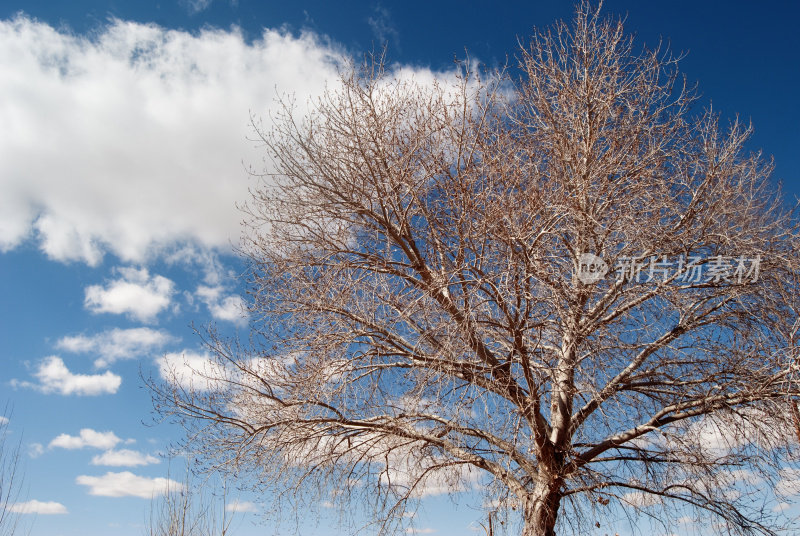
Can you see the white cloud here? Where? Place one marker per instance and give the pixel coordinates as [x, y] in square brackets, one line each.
[167, 170]
[243, 506]
[382, 26]
[196, 6]
[780, 507]
[407, 468]
[192, 371]
[55, 377]
[166, 173]
[35, 450]
[3, 420]
[441, 482]
[230, 308]
[641, 499]
[412, 530]
[127, 484]
[86, 438]
[135, 293]
[124, 458]
[714, 436]
[208, 261]
[789, 484]
[39, 507]
[113, 345]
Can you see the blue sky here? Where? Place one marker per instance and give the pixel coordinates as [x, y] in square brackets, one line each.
[119, 179]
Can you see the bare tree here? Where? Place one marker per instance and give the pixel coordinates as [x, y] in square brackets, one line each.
[563, 286]
[10, 482]
[189, 509]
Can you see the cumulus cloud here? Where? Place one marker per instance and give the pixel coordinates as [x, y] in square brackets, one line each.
[55, 377]
[135, 293]
[86, 438]
[124, 458]
[127, 484]
[192, 371]
[715, 437]
[115, 344]
[241, 506]
[230, 308]
[407, 470]
[39, 507]
[131, 140]
[3, 420]
[402, 473]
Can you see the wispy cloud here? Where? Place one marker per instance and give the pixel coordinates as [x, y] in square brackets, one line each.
[241, 506]
[789, 484]
[35, 450]
[115, 344]
[382, 26]
[196, 6]
[640, 499]
[124, 458]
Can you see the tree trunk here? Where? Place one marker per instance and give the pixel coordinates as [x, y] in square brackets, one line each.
[541, 510]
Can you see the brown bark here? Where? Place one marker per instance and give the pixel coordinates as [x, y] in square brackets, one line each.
[541, 509]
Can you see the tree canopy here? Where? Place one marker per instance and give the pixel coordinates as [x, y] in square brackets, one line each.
[561, 284]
